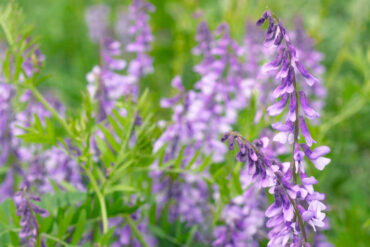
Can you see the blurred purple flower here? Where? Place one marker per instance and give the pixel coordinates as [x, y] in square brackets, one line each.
[27, 211]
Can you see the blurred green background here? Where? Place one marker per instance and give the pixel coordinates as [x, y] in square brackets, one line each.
[342, 32]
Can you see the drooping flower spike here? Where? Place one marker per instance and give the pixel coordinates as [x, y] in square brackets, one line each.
[285, 218]
[285, 66]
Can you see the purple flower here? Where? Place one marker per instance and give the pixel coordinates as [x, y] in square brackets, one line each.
[97, 19]
[107, 83]
[242, 217]
[316, 155]
[200, 117]
[27, 210]
[308, 111]
[306, 134]
[278, 108]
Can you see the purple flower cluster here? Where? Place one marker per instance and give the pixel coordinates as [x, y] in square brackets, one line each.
[294, 203]
[27, 211]
[243, 217]
[266, 171]
[200, 117]
[115, 78]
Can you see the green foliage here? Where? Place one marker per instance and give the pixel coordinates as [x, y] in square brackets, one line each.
[341, 29]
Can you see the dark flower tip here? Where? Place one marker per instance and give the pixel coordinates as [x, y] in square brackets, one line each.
[225, 136]
[231, 142]
[262, 19]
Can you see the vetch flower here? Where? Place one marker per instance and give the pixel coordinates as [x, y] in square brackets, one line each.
[27, 210]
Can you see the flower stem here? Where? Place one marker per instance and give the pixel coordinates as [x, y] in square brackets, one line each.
[100, 196]
[296, 131]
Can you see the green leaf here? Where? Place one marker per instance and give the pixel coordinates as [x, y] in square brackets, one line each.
[119, 188]
[65, 221]
[179, 157]
[192, 161]
[80, 227]
[157, 231]
[107, 155]
[205, 163]
[116, 127]
[110, 138]
[190, 238]
[107, 236]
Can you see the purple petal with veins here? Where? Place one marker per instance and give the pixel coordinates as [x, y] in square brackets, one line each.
[292, 108]
[310, 79]
[308, 111]
[306, 134]
[278, 107]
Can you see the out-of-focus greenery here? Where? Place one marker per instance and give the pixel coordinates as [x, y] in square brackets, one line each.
[341, 29]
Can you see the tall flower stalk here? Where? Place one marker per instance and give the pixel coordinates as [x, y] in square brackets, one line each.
[296, 202]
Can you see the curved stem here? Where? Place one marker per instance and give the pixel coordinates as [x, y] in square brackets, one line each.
[100, 196]
[135, 230]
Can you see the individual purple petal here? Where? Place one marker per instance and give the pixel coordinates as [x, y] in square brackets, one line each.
[279, 38]
[288, 212]
[321, 163]
[241, 145]
[270, 34]
[287, 127]
[285, 66]
[275, 221]
[242, 157]
[308, 111]
[316, 196]
[262, 19]
[292, 108]
[177, 83]
[282, 137]
[273, 210]
[231, 142]
[310, 80]
[281, 89]
[273, 65]
[305, 132]
[316, 153]
[309, 181]
[318, 161]
[319, 151]
[225, 136]
[170, 102]
[252, 154]
[298, 154]
[278, 107]
[292, 50]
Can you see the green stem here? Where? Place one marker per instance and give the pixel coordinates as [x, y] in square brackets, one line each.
[100, 196]
[135, 230]
[296, 131]
[43, 101]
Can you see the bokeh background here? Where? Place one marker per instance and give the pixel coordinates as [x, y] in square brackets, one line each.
[341, 29]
